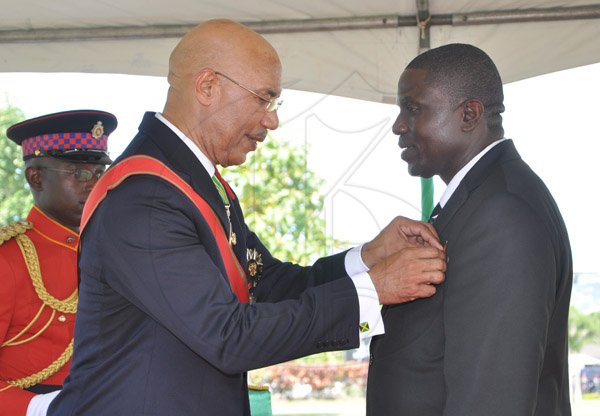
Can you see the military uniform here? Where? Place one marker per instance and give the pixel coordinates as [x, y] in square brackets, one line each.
[38, 266]
[36, 323]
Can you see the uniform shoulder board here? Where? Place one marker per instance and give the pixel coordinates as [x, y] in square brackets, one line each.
[12, 230]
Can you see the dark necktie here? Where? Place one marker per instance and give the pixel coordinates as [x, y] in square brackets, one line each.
[435, 213]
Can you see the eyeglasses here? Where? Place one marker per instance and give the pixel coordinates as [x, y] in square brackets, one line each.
[80, 174]
[272, 104]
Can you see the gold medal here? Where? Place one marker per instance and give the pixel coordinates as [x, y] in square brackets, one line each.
[255, 267]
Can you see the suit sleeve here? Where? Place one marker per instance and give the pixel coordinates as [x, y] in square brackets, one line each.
[284, 280]
[163, 260]
[13, 400]
[498, 303]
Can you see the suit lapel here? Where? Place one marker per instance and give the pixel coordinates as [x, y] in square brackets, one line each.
[178, 156]
[476, 176]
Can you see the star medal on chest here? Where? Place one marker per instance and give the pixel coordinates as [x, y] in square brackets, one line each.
[255, 267]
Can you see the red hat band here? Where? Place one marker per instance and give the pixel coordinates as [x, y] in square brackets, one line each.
[37, 145]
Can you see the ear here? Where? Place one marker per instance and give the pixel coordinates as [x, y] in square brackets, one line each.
[472, 114]
[34, 178]
[205, 86]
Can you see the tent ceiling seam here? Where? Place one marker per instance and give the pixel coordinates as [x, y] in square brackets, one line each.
[303, 25]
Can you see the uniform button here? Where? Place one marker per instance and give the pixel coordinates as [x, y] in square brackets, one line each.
[62, 318]
[70, 239]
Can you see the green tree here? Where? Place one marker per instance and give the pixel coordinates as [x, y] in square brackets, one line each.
[15, 197]
[584, 329]
[282, 201]
[283, 205]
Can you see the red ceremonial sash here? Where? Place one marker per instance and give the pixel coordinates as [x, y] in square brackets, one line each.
[147, 165]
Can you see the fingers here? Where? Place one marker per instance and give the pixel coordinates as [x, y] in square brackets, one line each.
[418, 231]
[422, 253]
[436, 277]
[409, 274]
[419, 291]
[425, 291]
[399, 234]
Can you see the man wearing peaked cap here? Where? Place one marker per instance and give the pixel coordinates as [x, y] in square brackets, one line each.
[65, 153]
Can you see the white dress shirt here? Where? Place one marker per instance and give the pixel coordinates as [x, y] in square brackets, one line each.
[460, 175]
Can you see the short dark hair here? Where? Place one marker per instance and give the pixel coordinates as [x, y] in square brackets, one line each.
[465, 71]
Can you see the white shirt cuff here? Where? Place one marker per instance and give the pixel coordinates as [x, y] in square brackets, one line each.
[38, 405]
[354, 263]
[370, 321]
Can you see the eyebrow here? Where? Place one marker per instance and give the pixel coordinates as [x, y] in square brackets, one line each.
[271, 92]
[405, 100]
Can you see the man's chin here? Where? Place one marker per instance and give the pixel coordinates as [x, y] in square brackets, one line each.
[414, 170]
[239, 160]
[418, 171]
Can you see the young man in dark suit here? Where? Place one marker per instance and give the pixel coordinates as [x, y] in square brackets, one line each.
[165, 323]
[493, 340]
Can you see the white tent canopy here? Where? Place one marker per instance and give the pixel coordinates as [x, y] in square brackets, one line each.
[351, 48]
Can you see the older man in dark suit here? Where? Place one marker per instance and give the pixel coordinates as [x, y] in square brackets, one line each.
[493, 339]
[165, 323]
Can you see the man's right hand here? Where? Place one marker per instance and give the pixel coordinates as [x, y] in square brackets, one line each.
[408, 274]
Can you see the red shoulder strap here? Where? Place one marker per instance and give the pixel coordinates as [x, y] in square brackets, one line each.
[147, 165]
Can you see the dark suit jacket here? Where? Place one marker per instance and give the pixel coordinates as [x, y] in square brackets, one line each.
[493, 340]
[158, 329]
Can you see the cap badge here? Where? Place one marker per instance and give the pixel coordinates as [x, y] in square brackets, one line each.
[98, 130]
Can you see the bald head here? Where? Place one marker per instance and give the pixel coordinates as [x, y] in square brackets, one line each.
[222, 45]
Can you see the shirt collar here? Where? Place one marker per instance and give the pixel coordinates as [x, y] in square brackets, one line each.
[457, 179]
[210, 168]
[52, 230]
